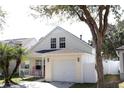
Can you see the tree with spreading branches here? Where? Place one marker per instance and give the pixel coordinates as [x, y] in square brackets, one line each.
[95, 16]
[2, 18]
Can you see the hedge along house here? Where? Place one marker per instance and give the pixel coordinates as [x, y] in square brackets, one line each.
[61, 56]
[121, 56]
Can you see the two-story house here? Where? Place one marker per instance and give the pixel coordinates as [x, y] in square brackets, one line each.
[61, 56]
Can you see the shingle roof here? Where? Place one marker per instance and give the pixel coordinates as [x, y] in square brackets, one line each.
[19, 40]
[46, 51]
[22, 41]
[54, 51]
[58, 51]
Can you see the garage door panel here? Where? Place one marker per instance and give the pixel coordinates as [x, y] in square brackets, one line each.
[64, 70]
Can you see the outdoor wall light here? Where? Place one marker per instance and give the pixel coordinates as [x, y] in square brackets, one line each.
[78, 59]
[47, 59]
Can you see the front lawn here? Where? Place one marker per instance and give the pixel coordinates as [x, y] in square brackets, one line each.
[18, 79]
[111, 81]
[121, 85]
[84, 85]
[112, 78]
[31, 78]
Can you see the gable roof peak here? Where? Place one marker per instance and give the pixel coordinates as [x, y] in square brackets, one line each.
[59, 28]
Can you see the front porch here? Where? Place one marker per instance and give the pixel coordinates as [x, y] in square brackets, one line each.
[37, 65]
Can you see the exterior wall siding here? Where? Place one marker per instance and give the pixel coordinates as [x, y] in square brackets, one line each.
[50, 66]
[78, 69]
[72, 42]
[48, 69]
[85, 68]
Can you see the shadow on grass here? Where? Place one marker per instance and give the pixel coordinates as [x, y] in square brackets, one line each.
[111, 81]
[94, 85]
[84, 85]
[31, 79]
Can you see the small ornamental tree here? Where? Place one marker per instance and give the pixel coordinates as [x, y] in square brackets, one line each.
[9, 53]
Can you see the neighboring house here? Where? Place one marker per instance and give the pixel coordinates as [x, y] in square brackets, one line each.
[61, 56]
[26, 43]
[121, 55]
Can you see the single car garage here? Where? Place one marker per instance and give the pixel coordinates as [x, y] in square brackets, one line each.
[64, 69]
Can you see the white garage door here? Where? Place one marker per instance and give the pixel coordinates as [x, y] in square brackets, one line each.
[64, 70]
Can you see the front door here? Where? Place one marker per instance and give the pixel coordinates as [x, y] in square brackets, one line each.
[40, 68]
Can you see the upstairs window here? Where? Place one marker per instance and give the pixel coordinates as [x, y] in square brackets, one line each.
[62, 42]
[53, 42]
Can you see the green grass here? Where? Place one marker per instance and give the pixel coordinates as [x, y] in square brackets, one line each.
[15, 78]
[121, 85]
[31, 79]
[84, 85]
[111, 78]
[18, 79]
[112, 81]
[1, 81]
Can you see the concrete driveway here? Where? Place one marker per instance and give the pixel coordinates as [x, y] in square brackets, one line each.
[36, 84]
[61, 84]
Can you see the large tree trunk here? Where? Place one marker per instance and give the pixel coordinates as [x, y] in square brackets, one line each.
[99, 65]
[6, 75]
[7, 84]
[98, 29]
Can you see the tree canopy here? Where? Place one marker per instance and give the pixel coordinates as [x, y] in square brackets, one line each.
[113, 39]
[2, 18]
